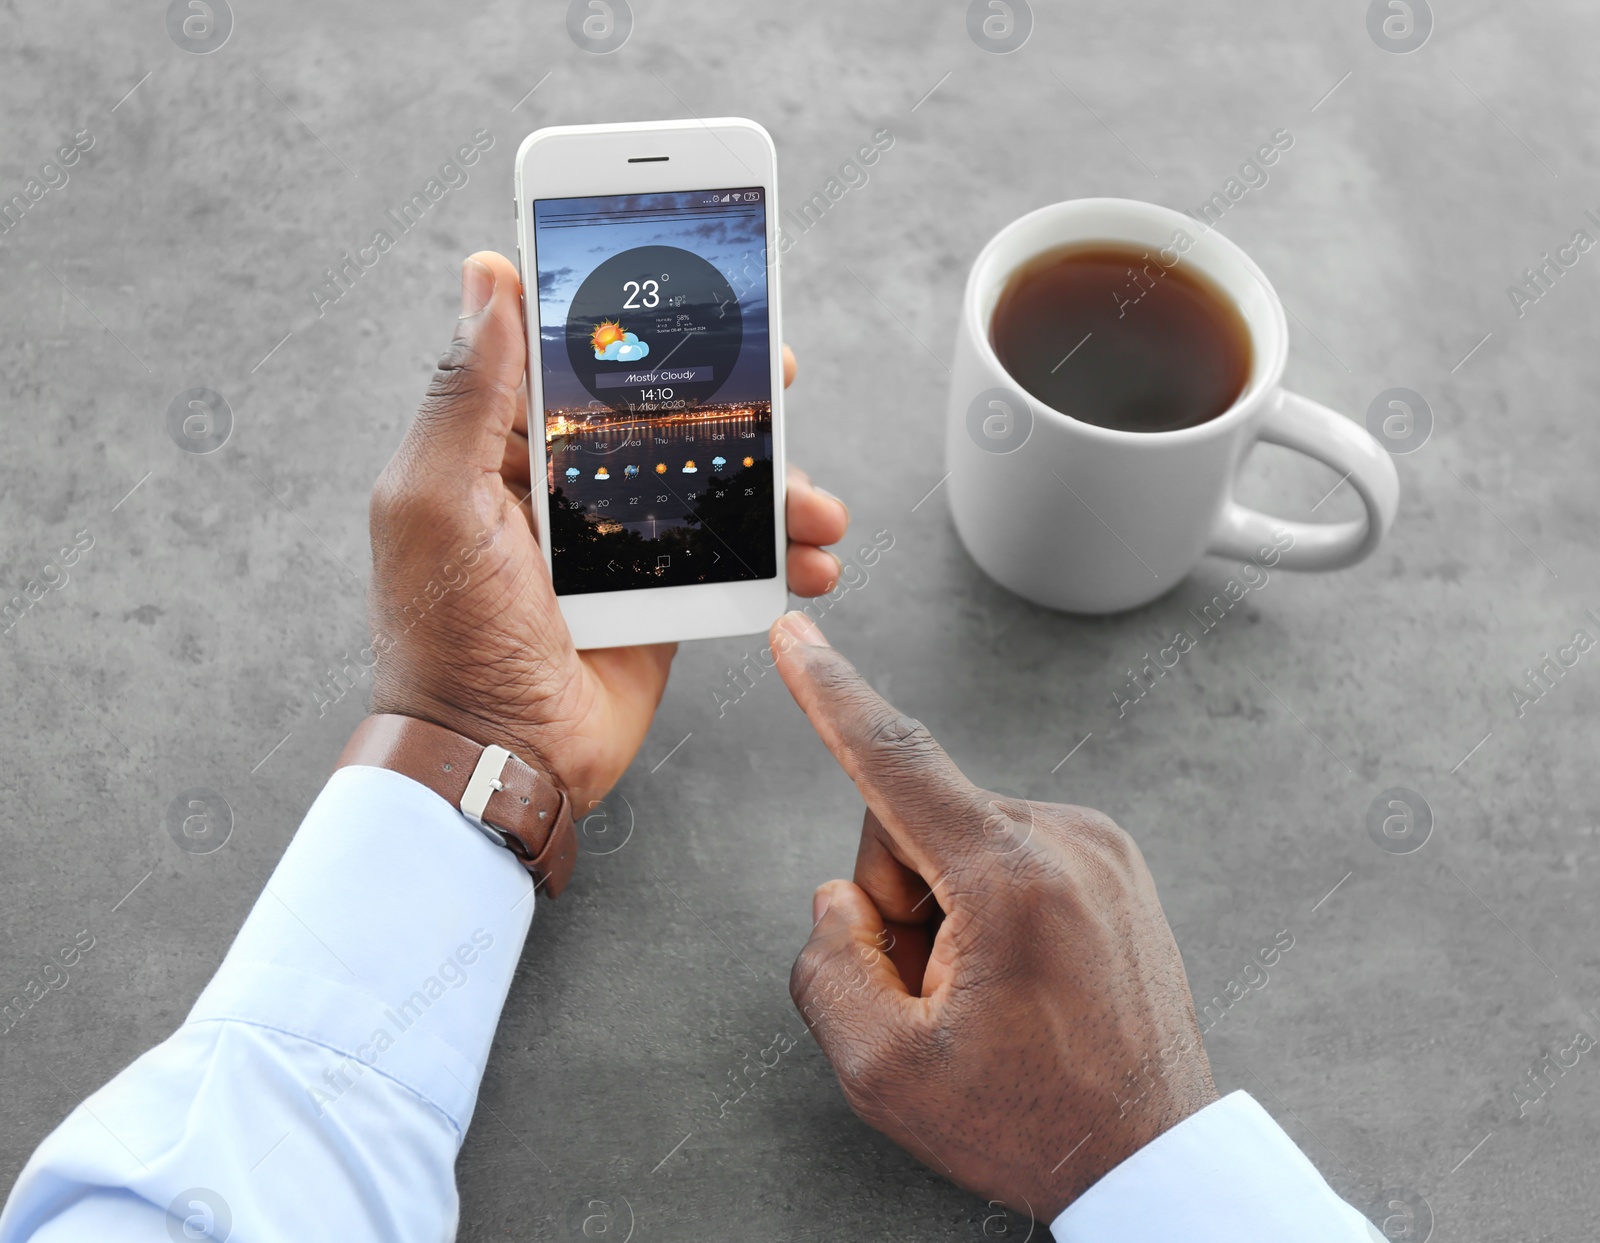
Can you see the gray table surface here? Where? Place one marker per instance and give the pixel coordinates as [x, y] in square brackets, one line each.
[183, 653]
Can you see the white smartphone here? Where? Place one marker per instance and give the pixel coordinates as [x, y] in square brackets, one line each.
[655, 376]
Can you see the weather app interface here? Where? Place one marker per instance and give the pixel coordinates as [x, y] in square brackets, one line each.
[657, 388]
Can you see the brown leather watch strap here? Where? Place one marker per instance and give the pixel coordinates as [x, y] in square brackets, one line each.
[518, 806]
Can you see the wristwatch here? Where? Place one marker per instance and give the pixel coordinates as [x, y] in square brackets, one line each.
[515, 805]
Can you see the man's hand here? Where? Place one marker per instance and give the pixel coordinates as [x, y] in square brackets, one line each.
[464, 619]
[998, 990]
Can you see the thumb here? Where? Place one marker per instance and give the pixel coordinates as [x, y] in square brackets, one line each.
[844, 984]
[461, 428]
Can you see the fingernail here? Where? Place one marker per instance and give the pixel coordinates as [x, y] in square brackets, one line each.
[477, 287]
[803, 628]
[838, 569]
[833, 498]
[819, 905]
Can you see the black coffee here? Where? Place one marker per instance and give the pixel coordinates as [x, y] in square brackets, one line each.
[1122, 336]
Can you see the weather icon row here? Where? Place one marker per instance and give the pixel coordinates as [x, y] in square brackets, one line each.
[632, 472]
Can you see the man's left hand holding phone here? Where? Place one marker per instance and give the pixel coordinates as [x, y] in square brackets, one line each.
[361, 996]
[493, 660]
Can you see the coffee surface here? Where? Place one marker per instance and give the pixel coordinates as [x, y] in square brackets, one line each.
[1110, 334]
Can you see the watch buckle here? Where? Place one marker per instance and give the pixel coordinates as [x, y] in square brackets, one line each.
[482, 786]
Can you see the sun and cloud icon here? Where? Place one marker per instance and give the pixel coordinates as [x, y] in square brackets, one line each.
[612, 344]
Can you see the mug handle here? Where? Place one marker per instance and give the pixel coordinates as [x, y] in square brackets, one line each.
[1298, 423]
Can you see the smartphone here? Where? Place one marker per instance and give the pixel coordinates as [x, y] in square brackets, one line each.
[655, 376]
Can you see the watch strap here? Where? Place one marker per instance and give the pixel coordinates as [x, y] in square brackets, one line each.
[515, 804]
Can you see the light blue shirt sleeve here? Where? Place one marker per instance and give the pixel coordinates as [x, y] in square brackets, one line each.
[1224, 1175]
[321, 1086]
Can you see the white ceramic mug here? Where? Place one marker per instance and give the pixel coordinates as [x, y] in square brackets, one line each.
[1092, 519]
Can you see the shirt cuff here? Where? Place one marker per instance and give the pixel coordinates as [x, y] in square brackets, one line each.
[388, 933]
[1223, 1174]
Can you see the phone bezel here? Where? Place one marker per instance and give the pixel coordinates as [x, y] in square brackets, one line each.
[582, 160]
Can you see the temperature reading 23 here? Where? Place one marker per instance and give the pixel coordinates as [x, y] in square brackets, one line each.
[650, 289]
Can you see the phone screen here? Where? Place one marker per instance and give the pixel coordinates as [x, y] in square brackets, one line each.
[657, 373]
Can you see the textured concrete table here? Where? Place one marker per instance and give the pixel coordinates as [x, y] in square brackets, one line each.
[1402, 1040]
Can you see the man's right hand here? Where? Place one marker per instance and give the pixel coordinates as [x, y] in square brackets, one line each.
[998, 990]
